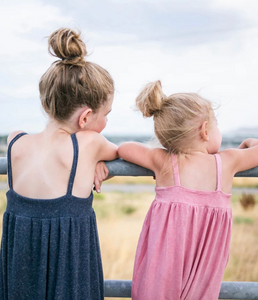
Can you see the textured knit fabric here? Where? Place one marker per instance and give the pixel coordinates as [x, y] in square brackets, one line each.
[184, 244]
[50, 248]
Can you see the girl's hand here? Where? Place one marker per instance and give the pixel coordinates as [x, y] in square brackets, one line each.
[248, 143]
[101, 173]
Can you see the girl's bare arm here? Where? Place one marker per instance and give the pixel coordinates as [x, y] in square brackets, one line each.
[106, 149]
[244, 158]
[139, 154]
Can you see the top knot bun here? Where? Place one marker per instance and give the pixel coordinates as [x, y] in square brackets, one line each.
[67, 45]
[151, 99]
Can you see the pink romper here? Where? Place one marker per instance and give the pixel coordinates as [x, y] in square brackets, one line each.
[184, 245]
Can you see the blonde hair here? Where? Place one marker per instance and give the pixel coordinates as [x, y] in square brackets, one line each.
[72, 82]
[177, 118]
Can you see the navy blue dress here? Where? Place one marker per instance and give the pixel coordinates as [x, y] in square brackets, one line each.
[50, 248]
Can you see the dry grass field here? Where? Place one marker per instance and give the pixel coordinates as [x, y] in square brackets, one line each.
[120, 217]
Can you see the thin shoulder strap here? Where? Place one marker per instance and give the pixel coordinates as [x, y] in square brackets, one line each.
[175, 169]
[74, 166]
[219, 171]
[9, 163]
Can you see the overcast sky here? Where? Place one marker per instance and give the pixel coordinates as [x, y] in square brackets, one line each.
[205, 46]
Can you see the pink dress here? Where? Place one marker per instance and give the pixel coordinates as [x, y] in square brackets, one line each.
[183, 248]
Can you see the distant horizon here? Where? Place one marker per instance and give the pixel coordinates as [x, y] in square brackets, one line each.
[238, 131]
[128, 134]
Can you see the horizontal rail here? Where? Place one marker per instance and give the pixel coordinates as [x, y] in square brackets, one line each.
[229, 290]
[119, 167]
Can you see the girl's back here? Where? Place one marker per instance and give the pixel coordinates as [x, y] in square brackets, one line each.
[203, 179]
[41, 164]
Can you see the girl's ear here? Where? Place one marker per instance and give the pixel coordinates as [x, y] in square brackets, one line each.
[204, 131]
[84, 117]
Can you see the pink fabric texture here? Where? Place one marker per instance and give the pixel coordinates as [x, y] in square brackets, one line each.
[184, 245]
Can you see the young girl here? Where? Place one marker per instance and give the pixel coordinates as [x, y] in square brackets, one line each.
[184, 244]
[50, 247]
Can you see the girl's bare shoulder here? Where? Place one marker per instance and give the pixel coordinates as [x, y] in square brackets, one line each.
[160, 157]
[232, 160]
[89, 137]
[97, 145]
[12, 135]
[228, 156]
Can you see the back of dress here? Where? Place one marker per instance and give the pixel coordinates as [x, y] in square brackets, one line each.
[183, 248]
[50, 247]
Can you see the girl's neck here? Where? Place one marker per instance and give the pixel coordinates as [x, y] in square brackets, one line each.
[197, 148]
[54, 127]
[197, 151]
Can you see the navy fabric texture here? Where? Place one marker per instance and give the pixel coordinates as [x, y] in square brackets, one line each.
[50, 248]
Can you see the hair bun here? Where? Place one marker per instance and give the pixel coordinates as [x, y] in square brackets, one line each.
[151, 98]
[66, 44]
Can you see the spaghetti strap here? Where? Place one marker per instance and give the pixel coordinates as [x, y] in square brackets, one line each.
[74, 166]
[175, 169]
[219, 171]
[9, 164]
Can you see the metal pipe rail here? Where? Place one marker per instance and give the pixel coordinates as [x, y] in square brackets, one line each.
[122, 288]
[119, 167]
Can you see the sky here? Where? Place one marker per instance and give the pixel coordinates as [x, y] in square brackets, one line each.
[204, 46]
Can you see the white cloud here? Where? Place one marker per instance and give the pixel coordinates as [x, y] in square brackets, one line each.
[224, 72]
[24, 49]
[20, 19]
[249, 8]
[25, 91]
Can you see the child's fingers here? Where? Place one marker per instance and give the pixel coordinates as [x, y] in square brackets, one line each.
[106, 170]
[103, 174]
[97, 184]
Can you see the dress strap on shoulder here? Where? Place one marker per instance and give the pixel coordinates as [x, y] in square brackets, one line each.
[219, 171]
[74, 166]
[175, 169]
[9, 163]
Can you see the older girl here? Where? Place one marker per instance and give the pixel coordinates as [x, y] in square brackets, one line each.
[50, 247]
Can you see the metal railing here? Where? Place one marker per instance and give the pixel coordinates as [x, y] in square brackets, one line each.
[122, 288]
[119, 167]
